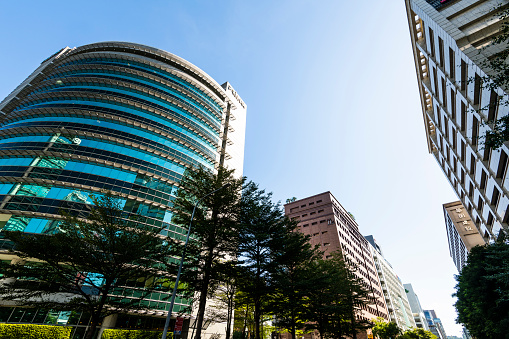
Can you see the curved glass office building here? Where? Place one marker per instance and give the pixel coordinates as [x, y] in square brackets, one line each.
[113, 116]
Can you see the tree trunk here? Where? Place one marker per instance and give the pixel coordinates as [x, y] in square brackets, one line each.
[203, 293]
[245, 323]
[257, 319]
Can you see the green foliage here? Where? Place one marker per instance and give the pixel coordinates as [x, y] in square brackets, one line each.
[84, 260]
[214, 242]
[483, 291]
[29, 331]
[385, 330]
[417, 333]
[290, 280]
[337, 295]
[133, 334]
[263, 225]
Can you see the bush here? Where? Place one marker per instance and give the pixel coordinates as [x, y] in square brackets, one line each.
[135, 334]
[29, 331]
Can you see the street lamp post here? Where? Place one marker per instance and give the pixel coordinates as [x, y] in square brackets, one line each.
[168, 317]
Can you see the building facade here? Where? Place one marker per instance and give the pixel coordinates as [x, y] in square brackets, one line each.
[118, 117]
[435, 324]
[450, 41]
[462, 235]
[415, 306]
[392, 288]
[333, 229]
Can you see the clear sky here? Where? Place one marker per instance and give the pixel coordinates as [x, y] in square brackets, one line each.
[332, 102]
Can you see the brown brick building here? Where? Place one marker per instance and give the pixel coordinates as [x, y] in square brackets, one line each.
[334, 229]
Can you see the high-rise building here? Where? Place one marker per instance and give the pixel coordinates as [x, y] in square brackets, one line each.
[435, 324]
[392, 288]
[415, 305]
[333, 229]
[112, 116]
[450, 40]
[462, 235]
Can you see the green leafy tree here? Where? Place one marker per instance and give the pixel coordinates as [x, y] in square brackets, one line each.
[483, 291]
[386, 330]
[214, 231]
[79, 267]
[338, 295]
[262, 225]
[290, 279]
[417, 333]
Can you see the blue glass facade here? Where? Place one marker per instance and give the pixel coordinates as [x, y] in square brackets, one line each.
[109, 116]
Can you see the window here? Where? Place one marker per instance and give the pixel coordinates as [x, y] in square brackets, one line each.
[464, 72]
[441, 51]
[320, 211]
[480, 204]
[431, 42]
[490, 219]
[475, 130]
[311, 203]
[446, 127]
[318, 201]
[502, 165]
[444, 92]
[463, 150]
[314, 223]
[472, 164]
[495, 197]
[322, 221]
[312, 213]
[477, 89]
[454, 139]
[305, 225]
[453, 104]
[471, 190]
[492, 109]
[462, 177]
[483, 180]
[324, 232]
[463, 116]
[435, 80]
[452, 64]
[304, 215]
[486, 154]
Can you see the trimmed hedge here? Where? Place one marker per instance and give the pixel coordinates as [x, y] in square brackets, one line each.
[29, 331]
[134, 334]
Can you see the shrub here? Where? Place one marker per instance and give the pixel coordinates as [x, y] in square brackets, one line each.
[134, 334]
[29, 331]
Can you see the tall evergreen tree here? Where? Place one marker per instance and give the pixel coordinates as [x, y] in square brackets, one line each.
[263, 224]
[338, 295]
[79, 267]
[214, 230]
[291, 285]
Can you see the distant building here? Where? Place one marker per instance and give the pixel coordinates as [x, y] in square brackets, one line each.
[435, 324]
[392, 287]
[462, 234]
[332, 228]
[415, 305]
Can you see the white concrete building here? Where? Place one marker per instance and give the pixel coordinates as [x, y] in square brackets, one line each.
[450, 40]
[392, 287]
[415, 305]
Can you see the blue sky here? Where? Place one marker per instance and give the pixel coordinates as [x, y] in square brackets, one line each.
[332, 104]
